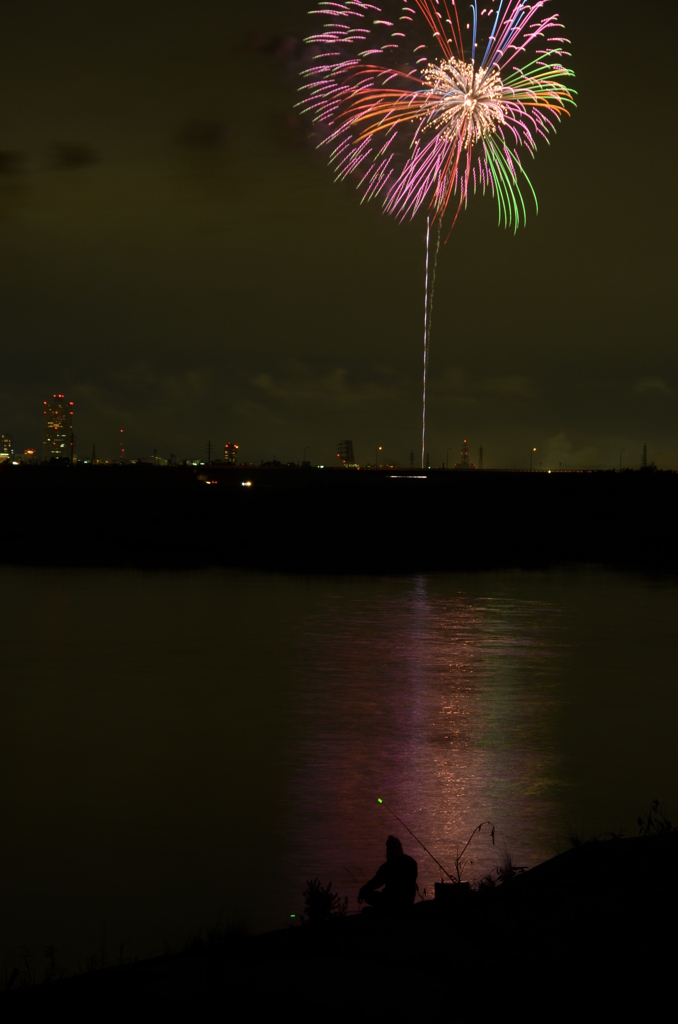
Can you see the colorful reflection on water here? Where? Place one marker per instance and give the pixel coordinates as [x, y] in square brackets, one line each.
[179, 748]
[440, 702]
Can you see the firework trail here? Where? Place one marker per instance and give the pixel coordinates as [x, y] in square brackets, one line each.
[426, 339]
[422, 102]
[428, 321]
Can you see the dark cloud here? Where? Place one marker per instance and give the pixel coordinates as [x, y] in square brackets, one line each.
[204, 135]
[11, 163]
[68, 155]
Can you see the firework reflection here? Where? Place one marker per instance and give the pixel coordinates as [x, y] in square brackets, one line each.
[439, 702]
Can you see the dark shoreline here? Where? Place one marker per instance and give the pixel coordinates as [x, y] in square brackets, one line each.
[592, 926]
[336, 521]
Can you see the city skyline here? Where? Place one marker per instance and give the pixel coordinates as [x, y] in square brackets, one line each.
[59, 442]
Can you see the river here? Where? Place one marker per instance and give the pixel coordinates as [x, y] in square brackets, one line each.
[180, 749]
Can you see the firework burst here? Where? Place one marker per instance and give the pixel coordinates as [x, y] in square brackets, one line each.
[422, 102]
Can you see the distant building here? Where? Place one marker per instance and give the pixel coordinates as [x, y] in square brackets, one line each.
[231, 453]
[57, 438]
[345, 453]
[465, 463]
[29, 455]
[6, 450]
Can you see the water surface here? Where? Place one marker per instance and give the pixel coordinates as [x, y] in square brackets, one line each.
[179, 748]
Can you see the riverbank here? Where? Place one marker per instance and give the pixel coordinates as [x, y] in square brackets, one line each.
[337, 521]
[592, 927]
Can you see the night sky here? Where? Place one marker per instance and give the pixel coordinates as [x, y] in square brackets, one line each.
[176, 258]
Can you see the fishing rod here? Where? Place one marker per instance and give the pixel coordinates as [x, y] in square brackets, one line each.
[351, 875]
[417, 839]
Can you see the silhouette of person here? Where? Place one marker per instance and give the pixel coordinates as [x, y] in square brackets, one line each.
[398, 876]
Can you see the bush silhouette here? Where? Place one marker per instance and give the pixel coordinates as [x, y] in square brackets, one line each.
[321, 904]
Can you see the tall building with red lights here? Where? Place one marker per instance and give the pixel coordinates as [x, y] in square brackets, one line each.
[345, 453]
[231, 453]
[57, 437]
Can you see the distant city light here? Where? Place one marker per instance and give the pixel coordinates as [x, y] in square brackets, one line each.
[247, 483]
[58, 440]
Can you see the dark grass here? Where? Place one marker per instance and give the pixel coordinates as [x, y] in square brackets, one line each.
[589, 931]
